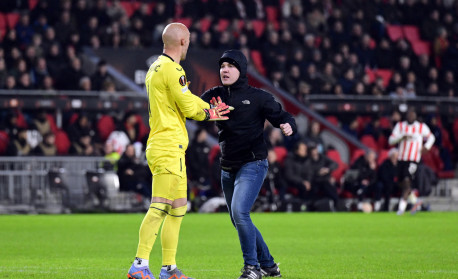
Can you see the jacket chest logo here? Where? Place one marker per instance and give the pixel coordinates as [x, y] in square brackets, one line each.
[246, 102]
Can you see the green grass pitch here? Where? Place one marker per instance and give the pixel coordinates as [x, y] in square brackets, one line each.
[320, 245]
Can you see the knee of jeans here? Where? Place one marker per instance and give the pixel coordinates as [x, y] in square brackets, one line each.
[239, 215]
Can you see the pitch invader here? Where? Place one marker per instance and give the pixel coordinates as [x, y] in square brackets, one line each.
[409, 136]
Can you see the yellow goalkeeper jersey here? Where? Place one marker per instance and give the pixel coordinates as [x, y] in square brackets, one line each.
[170, 103]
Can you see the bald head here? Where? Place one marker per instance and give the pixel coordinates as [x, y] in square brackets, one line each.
[176, 39]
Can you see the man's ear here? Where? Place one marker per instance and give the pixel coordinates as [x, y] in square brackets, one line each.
[182, 42]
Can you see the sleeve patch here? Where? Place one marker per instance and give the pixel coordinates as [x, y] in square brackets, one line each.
[182, 80]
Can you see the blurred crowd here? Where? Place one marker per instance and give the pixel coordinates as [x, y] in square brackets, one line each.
[305, 47]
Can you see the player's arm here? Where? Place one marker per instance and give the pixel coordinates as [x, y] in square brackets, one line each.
[395, 136]
[430, 138]
[279, 118]
[190, 105]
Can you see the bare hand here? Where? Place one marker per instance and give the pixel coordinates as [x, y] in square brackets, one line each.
[286, 129]
[307, 185]
[324, 171]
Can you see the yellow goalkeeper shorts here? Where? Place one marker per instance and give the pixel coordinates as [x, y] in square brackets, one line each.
[169, 174]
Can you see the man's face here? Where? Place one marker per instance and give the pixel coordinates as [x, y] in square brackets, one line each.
[228, 73]
[411, 116]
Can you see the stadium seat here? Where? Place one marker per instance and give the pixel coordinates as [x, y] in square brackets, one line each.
[52, 122]
[3, 23]
[333, 120]
[62, 143]
[105, 126]
[281, 153]
[385, 74]
[342, 167]
[258, 27]
[394, 32]
[385, 122]
[382, 142]
[143, 130]
[455, 130]
[127, 6]
[432, 159]
[213, 153]
[205, 24]
[272, 13]
[411, 33]
[369, 141]
[371, 74]
[382, 155]
[257, 62]
[421, 47]
[185, 20]
[12, 19]
[356, 154]
[223, 24]
[4, 141]
[32, 4]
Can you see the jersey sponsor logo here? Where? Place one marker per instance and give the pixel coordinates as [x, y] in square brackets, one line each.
[179, 69]
[156, 68]
[246, 102]
[182, 80]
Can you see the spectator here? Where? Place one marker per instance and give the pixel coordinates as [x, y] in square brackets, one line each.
[197, 159]
[296, 172]
[70, 78]
[24, 30]
[47, 147]
[387, 177]
[133, 176]
[111, 156]
[82, 146]
[19, 145]
[41, 123]
[321, 168]
[314, 137]
[82, 126]
[85, 84]
[10, 83]
[366, 181]
[274, 184]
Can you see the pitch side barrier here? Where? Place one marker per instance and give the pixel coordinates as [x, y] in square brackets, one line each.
[60, 185]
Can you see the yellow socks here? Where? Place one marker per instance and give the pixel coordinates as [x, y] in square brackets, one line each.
[170, 233]
[150, 227]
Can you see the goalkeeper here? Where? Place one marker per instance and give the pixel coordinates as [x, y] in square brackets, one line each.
[170, 103]
[244, 152]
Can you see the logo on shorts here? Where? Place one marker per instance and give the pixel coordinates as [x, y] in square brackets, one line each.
[182, 80]
[246, 102]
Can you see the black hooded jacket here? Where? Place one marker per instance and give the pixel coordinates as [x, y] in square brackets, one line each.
[241, 137]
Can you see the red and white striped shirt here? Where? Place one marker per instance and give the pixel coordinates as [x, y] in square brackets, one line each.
[410, 148]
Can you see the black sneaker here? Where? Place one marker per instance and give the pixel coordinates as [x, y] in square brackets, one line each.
[250, 272]
[273, 271]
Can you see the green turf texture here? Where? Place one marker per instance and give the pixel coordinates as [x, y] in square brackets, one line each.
[319, 245]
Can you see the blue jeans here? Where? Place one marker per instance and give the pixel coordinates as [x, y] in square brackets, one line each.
[241, 190]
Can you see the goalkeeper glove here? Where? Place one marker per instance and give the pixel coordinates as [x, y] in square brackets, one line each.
[217, 110]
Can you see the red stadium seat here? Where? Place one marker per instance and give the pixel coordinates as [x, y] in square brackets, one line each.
[433, 160]
[333, 120]
[258, 27]
[371, 74]
[32, 4]
[421, 47]
[62, 143]
[342, 167]
[411, 33]
[143, 129]
[223, 24]
[12, 19]
[369, 141]
[127, 6]
[213, 152]
[205, 24]
[185, 20]
[385, 122]
[281, 154]
[385, 74]
[3, 22]
[394, 32]
[4, 141]
[455, 130]
[356, 154]
[257, 62]
[52, 122]
[272, 13]
[382, 155]
[105, 126]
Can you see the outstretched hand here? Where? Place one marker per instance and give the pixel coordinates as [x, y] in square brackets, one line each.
[217, 110]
